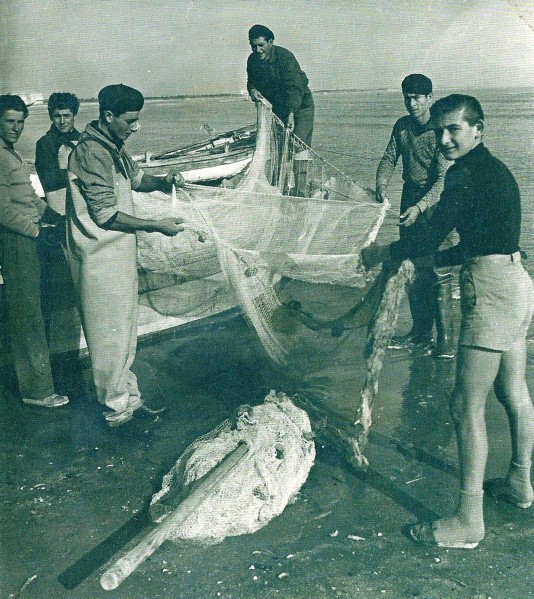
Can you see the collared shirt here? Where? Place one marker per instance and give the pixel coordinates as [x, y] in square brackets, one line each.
[280, 80]
[481, 201]
[94, 162]
[52, 174]
[423, 165]
[20, 207]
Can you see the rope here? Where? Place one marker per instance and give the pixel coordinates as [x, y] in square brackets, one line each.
[359, 156]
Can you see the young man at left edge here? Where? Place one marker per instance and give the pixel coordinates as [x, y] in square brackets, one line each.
[22, 217]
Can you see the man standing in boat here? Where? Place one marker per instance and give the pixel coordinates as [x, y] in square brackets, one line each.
[274, 74]
[423, 173]
[23, 218]
[101, 245]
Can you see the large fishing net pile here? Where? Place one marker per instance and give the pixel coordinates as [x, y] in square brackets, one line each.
[280, 454]
[284, 245]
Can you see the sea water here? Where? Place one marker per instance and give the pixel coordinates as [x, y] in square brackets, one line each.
[352, 129]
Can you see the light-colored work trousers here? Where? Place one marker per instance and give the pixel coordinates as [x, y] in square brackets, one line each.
[103, 264]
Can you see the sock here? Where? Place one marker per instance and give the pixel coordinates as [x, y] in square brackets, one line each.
[518, 478]
[467, 524]
[470, 509]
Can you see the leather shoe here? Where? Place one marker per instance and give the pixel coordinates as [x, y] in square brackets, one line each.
[147, 413]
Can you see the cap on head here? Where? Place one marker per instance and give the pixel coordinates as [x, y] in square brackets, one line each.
[257, 31]
[120, 98]
[417, 84]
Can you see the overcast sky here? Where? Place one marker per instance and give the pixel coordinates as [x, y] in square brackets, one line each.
[168, 47]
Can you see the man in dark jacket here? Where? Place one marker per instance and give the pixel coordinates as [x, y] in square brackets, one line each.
[274, 74]
[52, 153]
[53, 149]
[481, 201]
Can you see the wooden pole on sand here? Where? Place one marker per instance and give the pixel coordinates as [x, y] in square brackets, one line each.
[200, 492]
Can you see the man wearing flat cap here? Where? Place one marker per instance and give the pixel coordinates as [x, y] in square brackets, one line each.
[423, 174]
[101, 245]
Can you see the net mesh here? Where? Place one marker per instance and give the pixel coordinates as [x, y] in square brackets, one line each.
[280, 454]
[284, 244]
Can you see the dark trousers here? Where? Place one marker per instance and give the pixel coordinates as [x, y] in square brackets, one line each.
[304, 125]
[55, 273]
[422, 297]
[294, 182]
[422, 294]
[21, 271]
[304, 131]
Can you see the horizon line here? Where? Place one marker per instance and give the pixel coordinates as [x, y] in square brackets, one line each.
[317, 91]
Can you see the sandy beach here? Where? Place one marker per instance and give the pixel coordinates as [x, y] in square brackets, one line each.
[74, 493]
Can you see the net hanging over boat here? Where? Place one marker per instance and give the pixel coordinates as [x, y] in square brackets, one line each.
[284, 244]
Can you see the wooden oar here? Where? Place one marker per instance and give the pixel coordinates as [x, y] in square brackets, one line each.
[201, 490]
[209, 143]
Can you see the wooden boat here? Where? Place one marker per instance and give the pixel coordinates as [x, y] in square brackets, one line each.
[65, 327]
[219, 157]
[182, 283]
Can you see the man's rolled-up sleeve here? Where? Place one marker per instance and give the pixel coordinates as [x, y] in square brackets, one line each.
[93, 168]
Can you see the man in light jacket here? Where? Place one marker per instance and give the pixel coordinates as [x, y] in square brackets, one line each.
[101, 245]
[23, 218]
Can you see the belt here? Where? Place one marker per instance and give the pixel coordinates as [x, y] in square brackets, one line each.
[498, 258]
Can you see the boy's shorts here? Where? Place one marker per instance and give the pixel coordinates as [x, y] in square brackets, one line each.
[497, 300]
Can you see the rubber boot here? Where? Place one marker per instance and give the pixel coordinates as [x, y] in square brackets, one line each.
[422, 301]
[445, 345]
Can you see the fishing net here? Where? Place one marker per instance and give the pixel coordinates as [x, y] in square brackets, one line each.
[284, 244]
[280, 454]
[229, 482]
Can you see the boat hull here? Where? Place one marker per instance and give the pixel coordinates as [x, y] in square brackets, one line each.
[201, 168]
[220, 157]
[164, 304]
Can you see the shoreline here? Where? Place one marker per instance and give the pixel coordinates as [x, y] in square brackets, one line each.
[378, 90]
